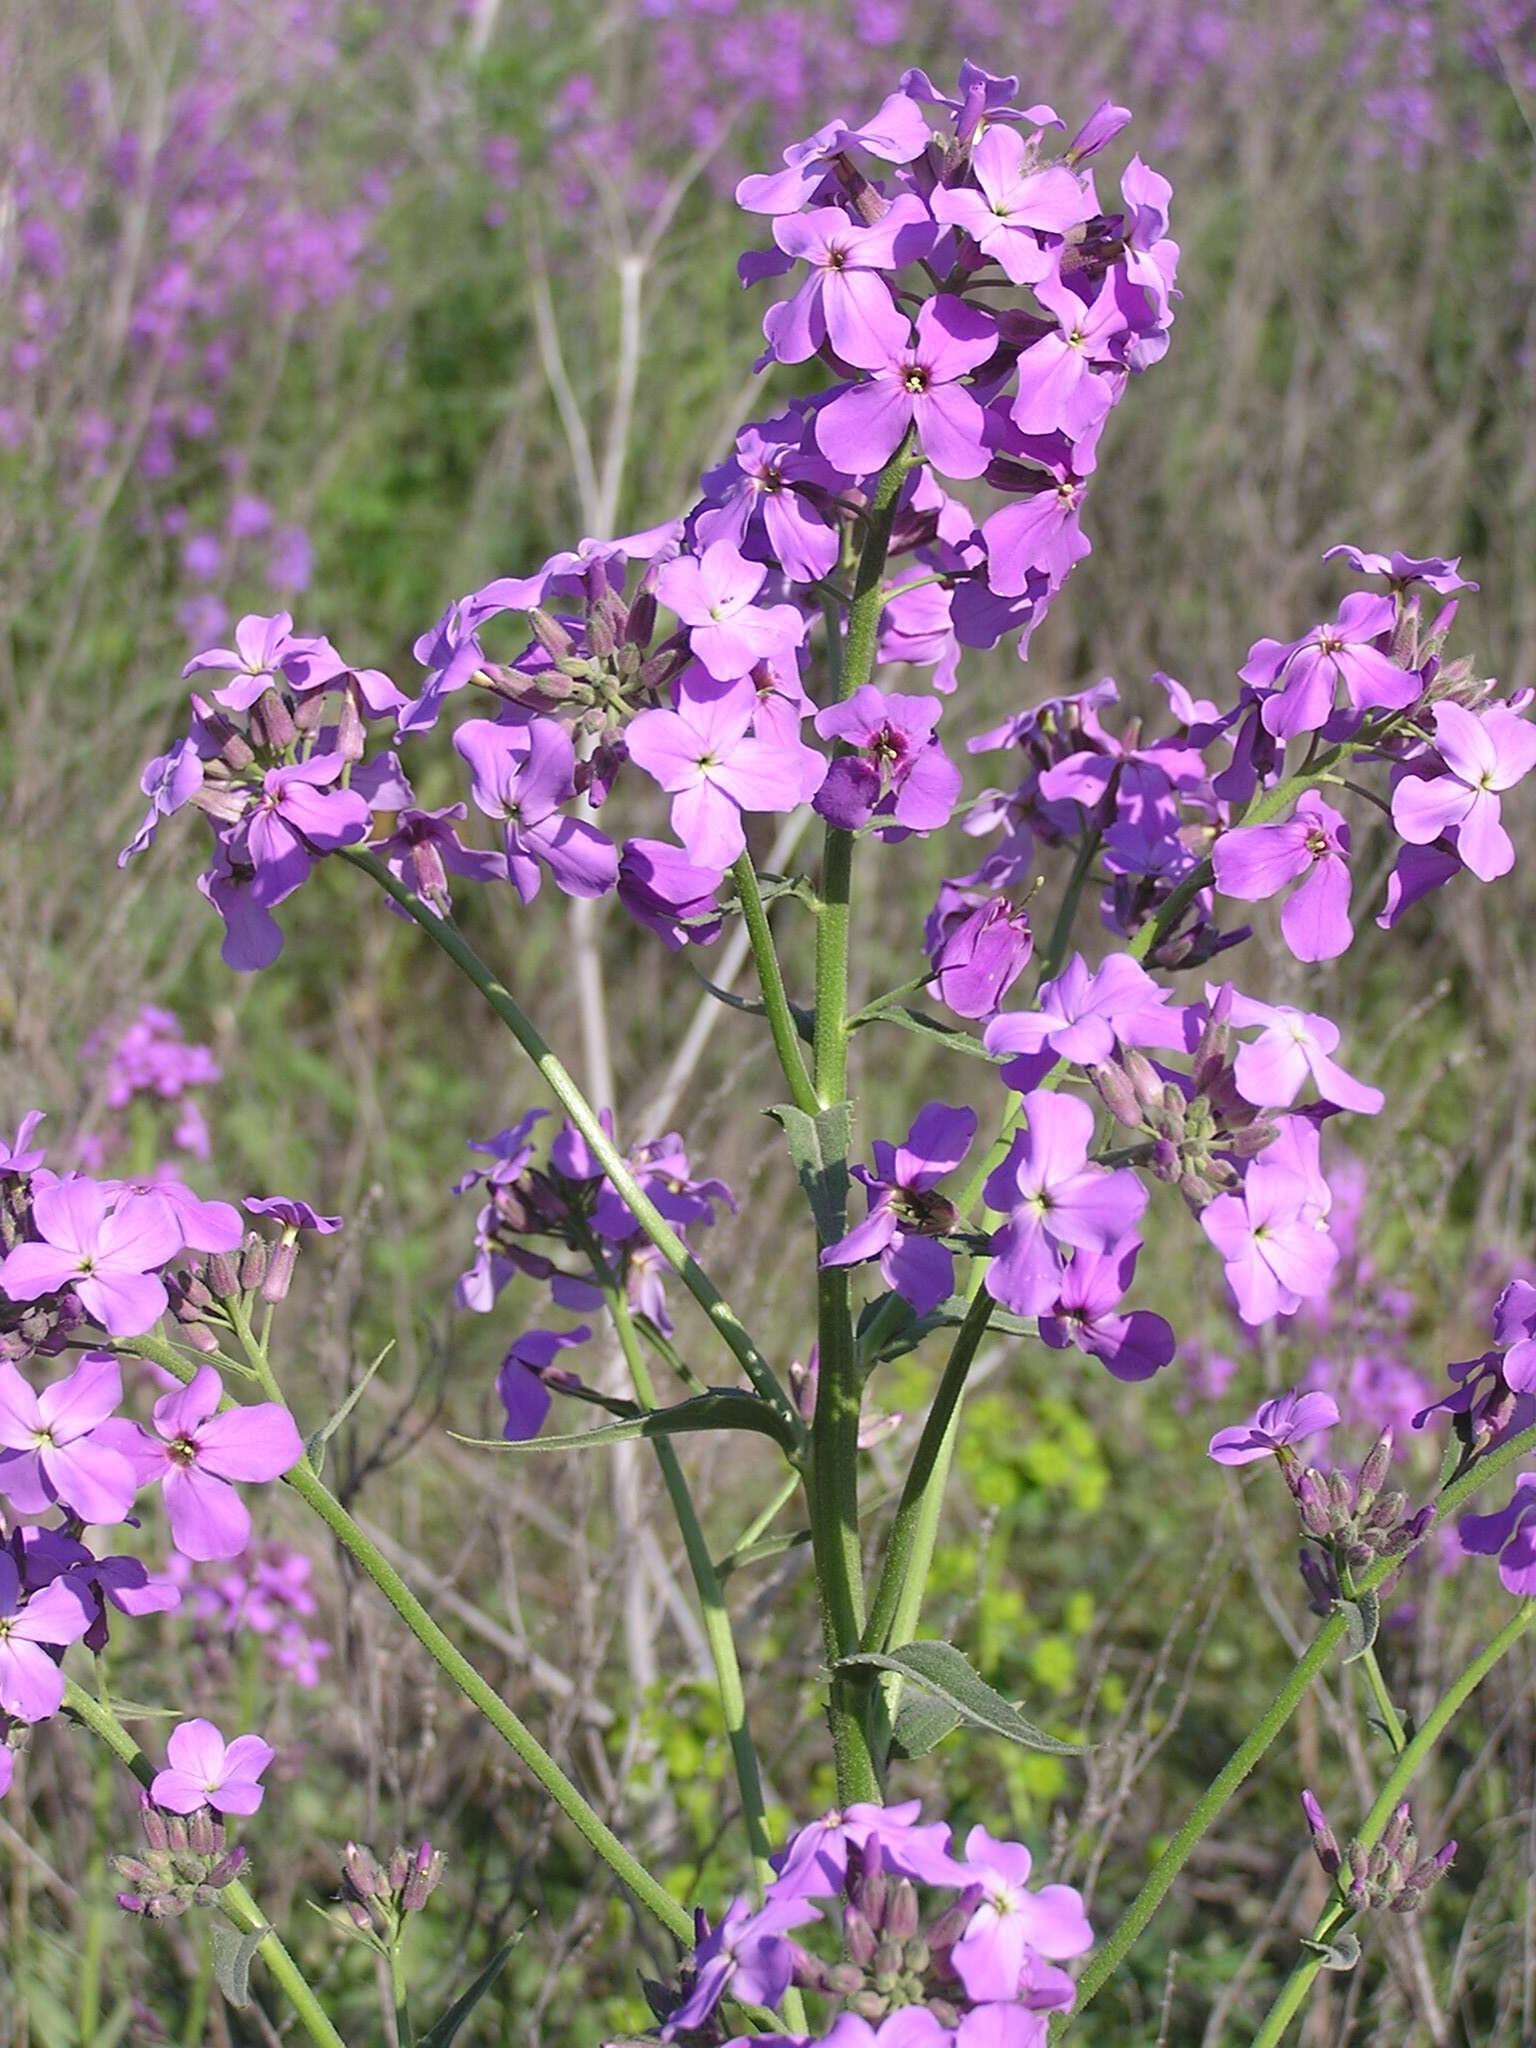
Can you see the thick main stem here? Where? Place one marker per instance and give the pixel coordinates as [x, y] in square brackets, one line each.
[833, 1490]
[781, 1024]
[455, 1666]
[581, 1113]
[234, 1900]
[1293, 1992]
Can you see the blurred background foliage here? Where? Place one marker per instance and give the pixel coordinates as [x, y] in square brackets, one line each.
[321, 304]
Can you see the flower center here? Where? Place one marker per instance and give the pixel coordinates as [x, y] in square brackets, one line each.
[182, 1450]
[915, 379]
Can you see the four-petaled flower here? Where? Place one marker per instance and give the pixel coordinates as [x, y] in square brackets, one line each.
[712, 595]
[1014, 206]
[1273, 1234]
[917, 385]
[897, 770]
[203, 1770]
[31, 1683]
[990, 1957]
[1484, 754]
[200, 1451]
[105, 1256]
[1509, 1534]
[1311, 848]
[51, 1451]
[1290, 1418]
[521, 775]
[706, 757]
[1055, 1202]
[906, 1216]
[1271, 1071]
[1302, 676]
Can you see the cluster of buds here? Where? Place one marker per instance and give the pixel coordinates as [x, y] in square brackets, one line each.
[185, 1863]
[1196, 1131]
[890, 1960]
[1352, 1519]
[1390, 1876]
[377, 1899]
[29, 1328]
[198, 1292]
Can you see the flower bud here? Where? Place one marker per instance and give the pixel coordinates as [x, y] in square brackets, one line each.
[858, 1937]
[153, 1823]
[279, 1273]
[1117, 1095]
[223, 1281]
[253, 1262]
[901, 1918]
[272, 723]
[550, 634]
[887, 1965]
[426, 1874]
[842, 1979]
[1324, 1843]
[1373, 1472]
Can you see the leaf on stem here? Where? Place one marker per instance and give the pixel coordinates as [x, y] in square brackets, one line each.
[944, 1673]
[446, 2029]
[1341, 1952]
[1362, 1619]
[233, 1950]
[819, 1147]
[315, 1447]
[919, 1021]
[722, 1408]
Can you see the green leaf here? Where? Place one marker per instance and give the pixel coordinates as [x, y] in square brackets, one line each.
[233, 1949]
[919, 1021]
[757, 1553]
[940, 1670]
[922, 1722]
[1341, 1953]
[720, 1409]
[315, 1445]
[1362, 1618]
[819, 1146]
[446, 2029]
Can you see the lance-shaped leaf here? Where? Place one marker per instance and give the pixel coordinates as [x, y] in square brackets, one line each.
[446, 2029]
[722, 1408]
[943, 1672]
[819, 1146]
[233, 1949]
[948, 1035]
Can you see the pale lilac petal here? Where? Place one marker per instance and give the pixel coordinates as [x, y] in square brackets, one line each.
[255, 1443]
[208, 1518]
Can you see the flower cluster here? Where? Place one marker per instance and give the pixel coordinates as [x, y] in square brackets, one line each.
[912, 1942]
[1390, 1874]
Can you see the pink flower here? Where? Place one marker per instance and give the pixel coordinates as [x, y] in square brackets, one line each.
[1484, 755]
[201, 1451]
[204, 1770]
[1289, 1419]
[51, 1454]
[106, 1257]
[31, 1683]
[712, 595]
[1054, 1201]
[705, 756]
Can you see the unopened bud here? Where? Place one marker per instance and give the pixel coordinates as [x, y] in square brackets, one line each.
[253, 1262]
[223, 1280]
[1143, 1077]
[858, 1937]
[279, 1273]
[426, 1873]
[153, 1823]
[1324, 1843]
[1373, 1473]
[272, 723]
[901, 1915]
[842, 1979]
[550, 634]
[1117, 1095]
[202, 1837]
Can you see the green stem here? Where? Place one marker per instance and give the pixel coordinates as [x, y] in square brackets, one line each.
[457, 1668]
[1293, 1992]
[399, 1992]
[763, 1519]
[584, 1117]
[897, 1603]
[716, 1615]
[1243, 1759]
[833, 1483]
[234, 1900]
[786, 1040]
[1109, 1958]
[1384, 1707]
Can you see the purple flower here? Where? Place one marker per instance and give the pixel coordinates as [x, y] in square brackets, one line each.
[264, 650]
[1289, 1419]
[1011, 1920]
[170, 780]
[896, 133]
[905, 1215]
[201, 1451]
[814, 1864]
[49, 1452]
[745, 1952]
[293, 1215]
[1514, 1327]
[202, 1770]
[296, 816]
[1508, 1533]
[252, 939]
[1401, 570]
[1301, 676]
[106, 1257]
[521, 774]
[712, 596]
[845, 300]
[704, 756]
[1417, 872]
[31, 1683]
[916, 385]
[1273, 1234]
[1061, 389]
[1272, 1070]
[21, 1155]
[1311, 848]
[768, 484]
[204, 1226]
[521, 1380]
[1484, 754]
[897, 769]
[1037, 535]
[977, 954]
[1014, 204]
[670, 894]
[1082, 1017]
[1086, 1314]
[424, 849]
[1053, 1200]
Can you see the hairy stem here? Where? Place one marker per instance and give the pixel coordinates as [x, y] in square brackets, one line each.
[234, 1900]
[786, 1040]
